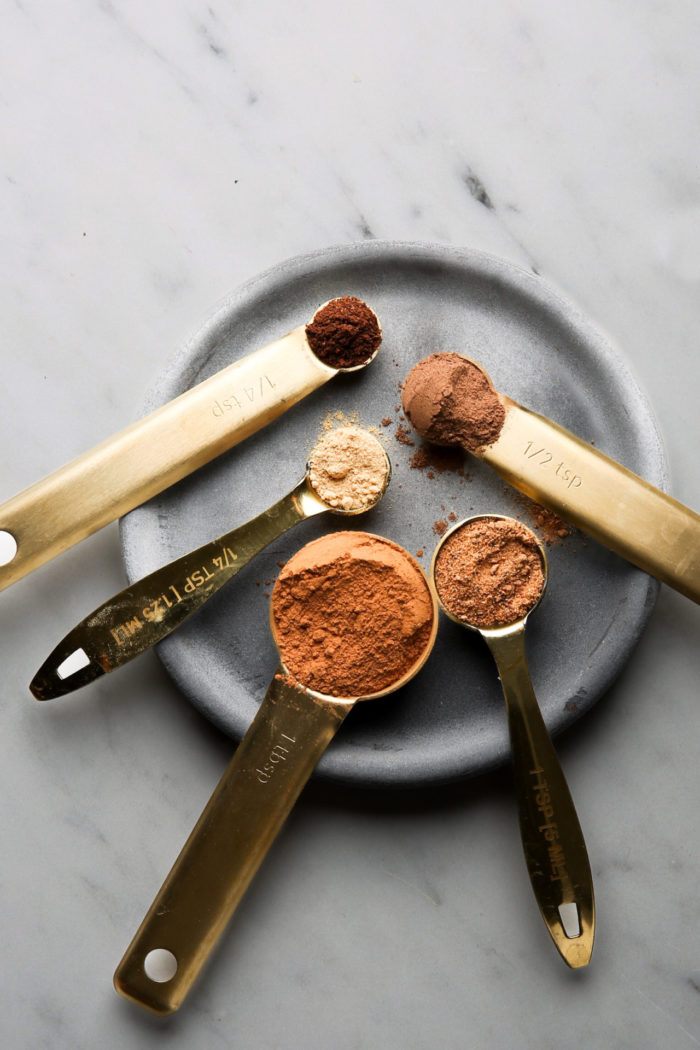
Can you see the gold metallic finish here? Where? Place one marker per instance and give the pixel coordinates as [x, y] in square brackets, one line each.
[239, 824]
[553, 843]
[599, 496]
[290, 732]
[144, 613]
[158, 450]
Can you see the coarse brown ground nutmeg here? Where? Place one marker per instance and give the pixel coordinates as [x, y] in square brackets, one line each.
[352, 614]
[488, 572]
[344, 333]
[450, 401]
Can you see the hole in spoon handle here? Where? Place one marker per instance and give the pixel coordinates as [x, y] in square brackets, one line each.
[8, 547]
[241, 820]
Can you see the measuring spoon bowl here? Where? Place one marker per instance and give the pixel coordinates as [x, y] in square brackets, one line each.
[553, 843]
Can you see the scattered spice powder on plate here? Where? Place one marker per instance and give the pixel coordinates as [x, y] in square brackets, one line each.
[551, 526]
[403, 435]
[437, 459]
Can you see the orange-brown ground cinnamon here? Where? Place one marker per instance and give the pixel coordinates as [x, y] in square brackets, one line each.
[489, 572]
[352, 614]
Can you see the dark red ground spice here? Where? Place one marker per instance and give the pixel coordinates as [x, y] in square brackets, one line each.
[344, 333]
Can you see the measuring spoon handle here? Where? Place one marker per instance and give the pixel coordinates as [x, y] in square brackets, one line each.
[244, 815]
[155, 452]
[555, 850]
[146, 612]
[599, 496]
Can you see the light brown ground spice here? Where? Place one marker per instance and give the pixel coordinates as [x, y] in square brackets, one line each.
[489, 573]
[348, 468]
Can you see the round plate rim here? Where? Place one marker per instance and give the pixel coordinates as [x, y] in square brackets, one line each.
[545, 294]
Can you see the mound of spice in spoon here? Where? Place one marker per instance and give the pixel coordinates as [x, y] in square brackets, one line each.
[450, 401]
[481, 573]
[185, 433]
[489, 572]
[347, 473]
[292, 728]
[351, 614]
[348, 468]
[344, 333]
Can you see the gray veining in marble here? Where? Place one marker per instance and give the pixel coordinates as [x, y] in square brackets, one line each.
[155, 156]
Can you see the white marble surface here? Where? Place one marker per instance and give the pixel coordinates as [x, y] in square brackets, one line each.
[153, 157]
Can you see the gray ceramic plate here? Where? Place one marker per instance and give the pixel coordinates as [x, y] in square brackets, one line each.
[449, 722]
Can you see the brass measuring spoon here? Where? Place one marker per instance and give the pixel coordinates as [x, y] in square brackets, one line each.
[555, 850]
[144, 613]
[287, 737]
[167, 444]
